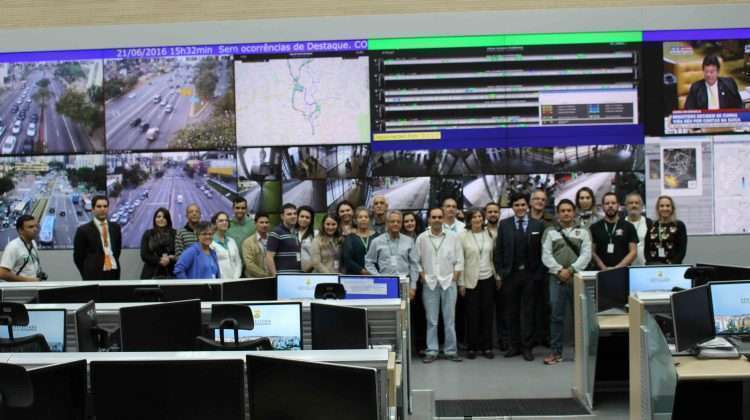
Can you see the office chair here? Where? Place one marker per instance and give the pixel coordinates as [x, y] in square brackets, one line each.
[330, 291]
[11, 314]
[91, 337]
[235, 317]
[16, 389]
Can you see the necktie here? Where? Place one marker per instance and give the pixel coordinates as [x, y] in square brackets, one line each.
[105, 242]
[713, 101]
[520, 225]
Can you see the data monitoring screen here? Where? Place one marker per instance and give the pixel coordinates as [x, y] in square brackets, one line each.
[301, 286]
[658, 278]
[731, 307]
[425, 94]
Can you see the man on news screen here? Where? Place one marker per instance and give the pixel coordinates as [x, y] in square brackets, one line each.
[713, 92]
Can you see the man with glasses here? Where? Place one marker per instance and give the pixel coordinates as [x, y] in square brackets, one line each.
[20, 261]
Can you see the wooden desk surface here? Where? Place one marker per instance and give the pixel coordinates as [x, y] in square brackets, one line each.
[692, 369]
[613, 322]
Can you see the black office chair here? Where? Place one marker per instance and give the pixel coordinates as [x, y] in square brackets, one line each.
[12, 313]
[330, 291]
[235, 317]
[91, 336]
[16, 389]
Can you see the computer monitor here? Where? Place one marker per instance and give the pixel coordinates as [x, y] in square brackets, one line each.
[249, 289]
[730, 305]
[168, 389]
[204, 292]
[291, 389]
[59, 393]
[302, 285]
[171, 326]
[85, 320]
[612, 289]
[338, 327]
[658, 278]
[370, 287]
[74, 294]
[692, 318]
[281, 322]
[48, 322]
[727, 272]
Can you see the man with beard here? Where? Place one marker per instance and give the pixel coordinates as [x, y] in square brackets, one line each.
[492, 214]
[615, 241]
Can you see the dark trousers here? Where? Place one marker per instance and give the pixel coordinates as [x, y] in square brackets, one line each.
[541, 309]
[501, 321]
[479, 304]
[418, 322]
[520, 308]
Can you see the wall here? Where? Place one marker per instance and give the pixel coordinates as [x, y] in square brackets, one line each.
[25, 27]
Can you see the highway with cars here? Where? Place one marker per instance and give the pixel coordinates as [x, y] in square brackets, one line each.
[26, 129]
[167, 102]
[175, 190]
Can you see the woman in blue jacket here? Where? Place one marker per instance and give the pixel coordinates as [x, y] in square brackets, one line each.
[199, 261]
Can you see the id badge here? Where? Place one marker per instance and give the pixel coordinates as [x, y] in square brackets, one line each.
[299, 257]
[394, 261]
[610, 248]
[336, 265]
[662, 252]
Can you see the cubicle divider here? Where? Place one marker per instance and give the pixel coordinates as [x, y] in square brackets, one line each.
[380, 359]
[586, 334]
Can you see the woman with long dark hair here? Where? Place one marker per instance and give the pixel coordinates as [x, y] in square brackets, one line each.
[345, 217]
[305, 235]
[326, 247]
[157, 247]
[586, 208]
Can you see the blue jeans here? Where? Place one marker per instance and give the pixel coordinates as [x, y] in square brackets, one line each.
[434, 302]
[560, 298]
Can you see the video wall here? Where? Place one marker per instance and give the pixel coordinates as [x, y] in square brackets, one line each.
[415, 119]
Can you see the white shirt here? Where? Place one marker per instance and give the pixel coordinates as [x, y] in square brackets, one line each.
[438, 257]
[641, 229]
[16, 254]
[457, 226]
[713, 90]
[230, 261]
[108, 248]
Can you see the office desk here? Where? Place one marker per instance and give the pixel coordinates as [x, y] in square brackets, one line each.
[25, 291]
[692, 369]
[613, 323]
[380, 359]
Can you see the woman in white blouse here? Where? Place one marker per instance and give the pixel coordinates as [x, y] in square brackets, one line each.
[227, 252]
[477, 284]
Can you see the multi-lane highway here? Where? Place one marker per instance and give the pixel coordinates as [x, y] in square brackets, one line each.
[174, 191]
[54, 133]
[166, 101]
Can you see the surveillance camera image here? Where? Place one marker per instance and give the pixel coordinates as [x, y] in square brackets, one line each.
[55, 189]
[261, 196]
[322, 162]
[401, 193]
[170, 103]
[599, 158]
[140, 183]
[51, 107]
[259, 163]
[305, 193]
[519, 160]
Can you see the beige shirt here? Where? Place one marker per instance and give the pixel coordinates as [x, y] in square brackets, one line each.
[478, 250]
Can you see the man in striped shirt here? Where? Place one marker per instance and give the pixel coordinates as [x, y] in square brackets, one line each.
[186, 235]
[283, 247]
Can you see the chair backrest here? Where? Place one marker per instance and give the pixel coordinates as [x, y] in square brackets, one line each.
[35, 343]
[231, 316]
[12, 313]
[330, 291]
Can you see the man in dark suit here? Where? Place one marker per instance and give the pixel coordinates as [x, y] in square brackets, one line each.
[713, 92]
[518, 261]
[97, 244]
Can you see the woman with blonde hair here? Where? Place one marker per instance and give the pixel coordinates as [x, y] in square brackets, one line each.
[666, 240]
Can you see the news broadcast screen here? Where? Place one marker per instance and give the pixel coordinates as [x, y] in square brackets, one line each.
[706, 86]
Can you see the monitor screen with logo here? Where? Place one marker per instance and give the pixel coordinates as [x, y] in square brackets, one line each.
[731, 307]
[658, 278]
[281, 322]
[301, 286]
[48, 322]
[370, 287]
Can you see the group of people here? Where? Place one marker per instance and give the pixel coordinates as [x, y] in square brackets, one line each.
[514, 275]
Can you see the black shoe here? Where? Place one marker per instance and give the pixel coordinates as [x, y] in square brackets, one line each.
[471, 355]
[502, 346]
[513, 352]
[527, 355]
[488, 354]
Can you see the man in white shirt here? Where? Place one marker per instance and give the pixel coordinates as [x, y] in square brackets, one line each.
[642, 224]
[441, 261]
[20, 261]
[450, 210]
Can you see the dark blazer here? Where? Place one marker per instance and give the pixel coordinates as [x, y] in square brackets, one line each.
[153, 245]
[729, 95]
[88, 252]
[504, 252]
